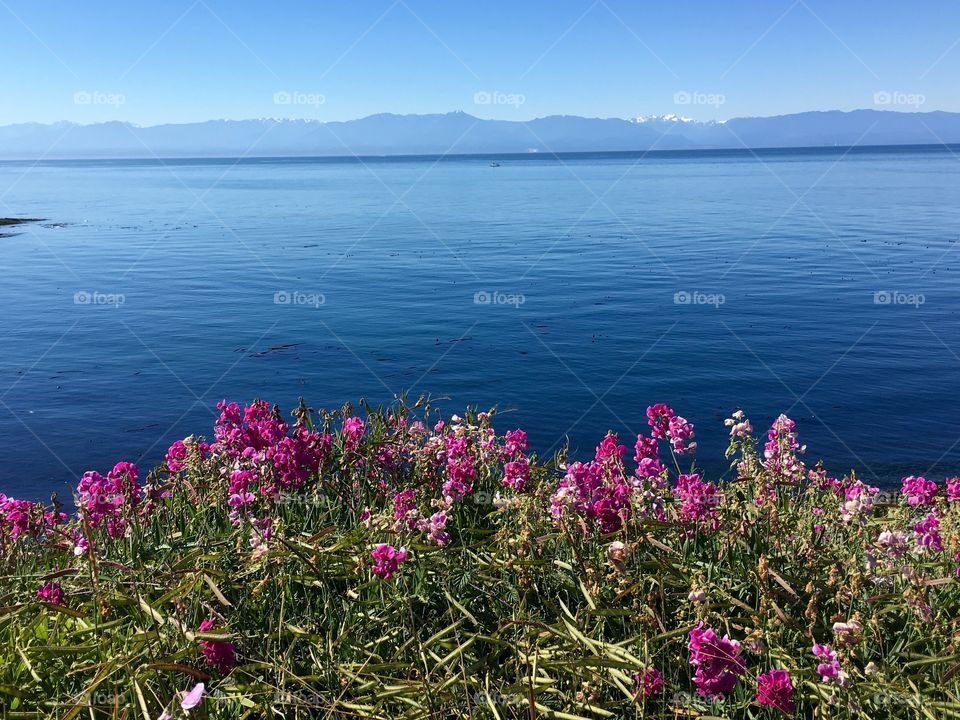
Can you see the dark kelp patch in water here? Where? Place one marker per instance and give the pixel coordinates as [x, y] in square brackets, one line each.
[12, 222]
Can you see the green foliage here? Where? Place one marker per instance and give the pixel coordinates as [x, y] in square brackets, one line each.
[522, 615]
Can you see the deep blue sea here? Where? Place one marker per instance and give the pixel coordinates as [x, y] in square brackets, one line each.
[571, 292]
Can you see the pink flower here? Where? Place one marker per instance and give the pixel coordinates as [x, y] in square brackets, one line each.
[829, 670]
[717, 660]
[51, 593]
[249, 433]
[610, 449]
[647, 683]
[388, 560]
[658, 418]
[858, 503]
[240, 492]
[436, 529]
[698, 500]
[894, 543]
[354, 429]
[109, 501]
[953, 489]
[919, 490]
[25, 519]
[780, 452]
[644, 449]
[598, 492]
[847, 633]
[194, 697]
[219, 653]
[405, 513]
[461, 469]
[775, 689]
[928, 533]
[680, 433]
[177, 457]
[516, 474]
[515, 443]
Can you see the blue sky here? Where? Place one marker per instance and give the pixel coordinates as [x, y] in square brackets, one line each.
[188, 60]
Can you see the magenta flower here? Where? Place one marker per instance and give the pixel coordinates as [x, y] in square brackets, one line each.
[25, 519]
[436, 529]
[388, 560]
[645, 449]
[698, 500]
[354, 429]
[177, 456]
[680, 433]
[405, 513]
[51, 593]
[717, 660]
[829, 668]
[461, 467]
[596, 491]
[610, 450]
[919, 490]
[515, 443]
[775, 689]
[516, 474]
[647, 683]
[780, 452]
[658, 418]
[109, 501]
[953, 489]
[219, 653]
[928, 533]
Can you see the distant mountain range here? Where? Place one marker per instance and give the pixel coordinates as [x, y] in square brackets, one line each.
[460, 133]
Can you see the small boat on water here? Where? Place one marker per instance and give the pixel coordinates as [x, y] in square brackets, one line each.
[494, 163]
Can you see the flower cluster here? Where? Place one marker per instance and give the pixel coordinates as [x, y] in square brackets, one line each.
[781, 451]
[220, 654]
[596, 491]
[387, 560]
[635, 551]
[775, 689]
[52, 593]
[919, 490]
[717, 660]
[698, 501]
[25, 519]
[829, 667]
[665, 424]
[648, 683]
[928, 533]
[516, 470]
[112, 501]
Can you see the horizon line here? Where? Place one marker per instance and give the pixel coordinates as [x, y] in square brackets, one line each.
[242, 159]
[636, 118]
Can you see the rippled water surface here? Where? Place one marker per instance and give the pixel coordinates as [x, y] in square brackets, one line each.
[823, 283]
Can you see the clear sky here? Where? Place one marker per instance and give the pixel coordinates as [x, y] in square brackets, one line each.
[185, 60]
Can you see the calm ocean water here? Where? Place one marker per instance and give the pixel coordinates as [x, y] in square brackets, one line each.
[571, 292]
